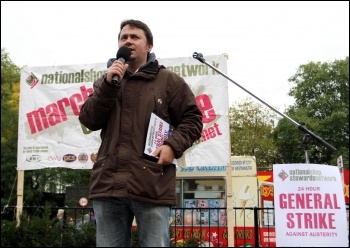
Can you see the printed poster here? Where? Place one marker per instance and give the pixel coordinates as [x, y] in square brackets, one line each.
[309, 206]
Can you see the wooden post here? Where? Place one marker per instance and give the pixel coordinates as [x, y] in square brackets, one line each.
[20, 185]
[229, 207]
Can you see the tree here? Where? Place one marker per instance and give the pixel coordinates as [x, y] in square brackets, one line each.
[321, 95]
[251, 128]
[9, 122]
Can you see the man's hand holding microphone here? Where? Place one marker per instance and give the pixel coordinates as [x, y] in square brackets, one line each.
[117, 67]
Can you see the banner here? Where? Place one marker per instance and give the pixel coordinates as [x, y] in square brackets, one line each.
[50, 134]
[309, 206]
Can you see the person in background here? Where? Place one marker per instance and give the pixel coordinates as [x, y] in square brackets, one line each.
[60, 223]
[125, 183]
[70, 221]
[60, 218]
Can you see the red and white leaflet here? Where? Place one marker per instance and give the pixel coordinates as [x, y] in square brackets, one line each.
[158, 131]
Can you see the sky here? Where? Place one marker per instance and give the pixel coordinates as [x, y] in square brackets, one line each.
[266, 41]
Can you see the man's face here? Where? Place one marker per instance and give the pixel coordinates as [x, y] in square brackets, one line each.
[135, 39]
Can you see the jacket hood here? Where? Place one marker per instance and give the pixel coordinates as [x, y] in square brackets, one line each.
[151, 60]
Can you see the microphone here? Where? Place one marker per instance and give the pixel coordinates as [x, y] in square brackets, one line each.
[123, 55]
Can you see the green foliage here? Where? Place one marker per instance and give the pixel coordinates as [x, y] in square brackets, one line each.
[10, 74]
[251, 128]
[135, 238]
[322, 103]
[9, 126]
[40, 230]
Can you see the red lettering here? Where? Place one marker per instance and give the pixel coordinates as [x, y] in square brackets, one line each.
[283, 202]
[204, 104]
[290, 222]
[311, 220]
[211, 132]
[55, 113]
[318, 201]
[308, 220]
[308, 201]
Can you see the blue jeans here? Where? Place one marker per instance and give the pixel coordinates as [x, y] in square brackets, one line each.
[114, 217]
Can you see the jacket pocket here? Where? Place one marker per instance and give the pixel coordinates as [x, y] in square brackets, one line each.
[102, 175]
[151, 180]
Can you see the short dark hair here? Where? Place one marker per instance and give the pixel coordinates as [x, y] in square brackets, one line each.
[140, 25]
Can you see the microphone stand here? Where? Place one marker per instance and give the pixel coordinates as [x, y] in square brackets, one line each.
[308, 134]
[306, 140]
